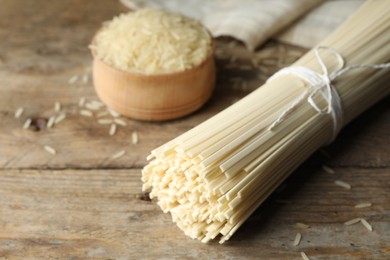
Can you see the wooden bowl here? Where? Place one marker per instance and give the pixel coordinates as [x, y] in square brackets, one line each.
[155, 97]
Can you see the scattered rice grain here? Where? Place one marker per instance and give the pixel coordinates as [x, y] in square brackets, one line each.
[328, 169]
[86, 113]
[73, 79]
[366, 224]
[134, 138]
[343, 184]
[27, 123]
[297, 239]
[113, 112]
[302, 225]
[352, 221]
[92, 106]
[82, 101]
[50, 122]
[363, 205]
[103, 113]
[97, 103]
[304, 256]
[85, 78]
[104, 121]
[19, 112]
[59, 118]
[57, 106]
[50, 149]
[120, 121]
[112, 129]
[118, 154]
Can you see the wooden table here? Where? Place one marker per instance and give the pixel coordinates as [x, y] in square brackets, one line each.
[82, 204]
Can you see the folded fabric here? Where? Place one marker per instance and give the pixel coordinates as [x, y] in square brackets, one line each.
[312, 28]
[251, 21]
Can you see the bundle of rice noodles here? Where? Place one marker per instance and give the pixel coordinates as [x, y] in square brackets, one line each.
[211, 178]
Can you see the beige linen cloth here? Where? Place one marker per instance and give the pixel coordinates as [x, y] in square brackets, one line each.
[313, 27]
[255, 21]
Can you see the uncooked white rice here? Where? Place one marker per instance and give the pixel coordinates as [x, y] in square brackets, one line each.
[120, 121]
[363, 205]
[27, 123]
[19, 112]
[366, 224]
[134, 138]
[152, 41]
[82, 101]
[92, 106]
[104, 121]
[50, 122]
[297, 239]
[118, 154]
[50, 149]
[302, 225]
[343, 184]
[97, 103]
[73, 79]
[304, 256]
[103, 113]
[113, 112]
[59, 118]
[57, 106]
[352, 221]
[112, 129]
[328, 169]
[85, 78]
[86, 113]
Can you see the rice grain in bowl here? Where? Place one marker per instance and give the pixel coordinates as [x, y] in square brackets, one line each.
[153, 65]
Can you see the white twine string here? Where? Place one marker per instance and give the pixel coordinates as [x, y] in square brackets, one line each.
[321, 83]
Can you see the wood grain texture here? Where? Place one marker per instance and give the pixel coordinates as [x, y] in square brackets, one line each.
[78, 214]
[82, 204]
